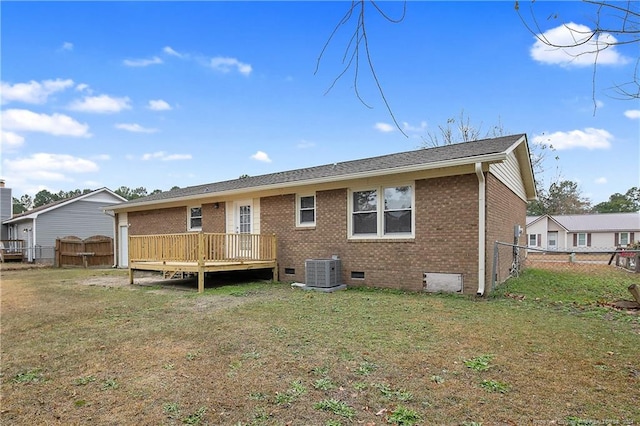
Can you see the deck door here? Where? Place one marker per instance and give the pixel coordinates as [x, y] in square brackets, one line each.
[244, 226]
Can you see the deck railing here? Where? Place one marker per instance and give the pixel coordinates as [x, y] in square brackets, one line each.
[12, 250]
[202, 247]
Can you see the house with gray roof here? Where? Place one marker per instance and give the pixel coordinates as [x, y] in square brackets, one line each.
[419, 220]
[81, 216]
[585, 232]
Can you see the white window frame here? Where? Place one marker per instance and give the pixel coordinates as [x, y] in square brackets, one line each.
[380, 213]
[620, 243]
[586, 239]
[299, 209]
[535, 237]
[189, 218]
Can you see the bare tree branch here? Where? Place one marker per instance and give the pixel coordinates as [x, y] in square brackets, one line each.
[620, 19]
[359, 45]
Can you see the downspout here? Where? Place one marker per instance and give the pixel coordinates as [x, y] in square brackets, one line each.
[481, 229]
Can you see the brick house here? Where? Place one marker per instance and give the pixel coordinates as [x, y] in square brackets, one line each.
[394, 221]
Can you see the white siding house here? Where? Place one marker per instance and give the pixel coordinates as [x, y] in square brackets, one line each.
[604, 231]
[82, 216]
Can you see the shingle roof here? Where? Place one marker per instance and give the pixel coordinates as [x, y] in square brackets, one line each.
[58, 202]
[603, 222]
[385, 162]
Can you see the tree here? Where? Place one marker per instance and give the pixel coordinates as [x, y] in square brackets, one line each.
[461, 129]
[619, 203]
[563, 197]
[131, 194]
[44, 197]
[22, 205]
[615, 24]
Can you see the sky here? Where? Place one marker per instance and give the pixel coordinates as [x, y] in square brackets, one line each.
[164, 94]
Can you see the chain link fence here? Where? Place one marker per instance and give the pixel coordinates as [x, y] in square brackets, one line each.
[509, 260]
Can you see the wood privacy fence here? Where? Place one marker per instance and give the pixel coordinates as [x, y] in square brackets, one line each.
[90, 252]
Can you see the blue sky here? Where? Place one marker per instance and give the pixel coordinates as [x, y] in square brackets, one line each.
[161, 94]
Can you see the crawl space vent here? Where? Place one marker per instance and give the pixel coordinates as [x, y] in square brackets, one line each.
[435, 282]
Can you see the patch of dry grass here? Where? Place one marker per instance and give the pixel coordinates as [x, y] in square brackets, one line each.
[266, 354]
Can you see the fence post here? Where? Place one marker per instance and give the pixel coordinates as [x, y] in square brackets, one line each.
[495, 266]
[58, 262]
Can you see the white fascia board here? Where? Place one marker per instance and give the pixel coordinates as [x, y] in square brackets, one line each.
[488, 158]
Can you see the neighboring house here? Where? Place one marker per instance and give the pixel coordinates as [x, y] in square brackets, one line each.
[6, 209]
[82, 216]
[603, 231]
[393, 221]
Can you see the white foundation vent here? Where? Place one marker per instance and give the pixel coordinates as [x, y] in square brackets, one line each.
[435, 282]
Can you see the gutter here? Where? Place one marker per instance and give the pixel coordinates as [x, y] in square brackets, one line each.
[481, 229]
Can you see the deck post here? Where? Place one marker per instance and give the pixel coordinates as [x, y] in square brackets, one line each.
[200, 262]
[274, 254]
[130, 276]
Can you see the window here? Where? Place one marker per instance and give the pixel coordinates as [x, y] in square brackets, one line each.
[382, 212]
[623, 239]
[306, 210]
[195, 218]
[533, 240]
[582, 240]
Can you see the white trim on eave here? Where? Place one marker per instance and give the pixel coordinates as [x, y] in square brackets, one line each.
[34, 215]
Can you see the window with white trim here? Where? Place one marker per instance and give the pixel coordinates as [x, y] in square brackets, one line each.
[582, 239]
[195, 218]
[385, 211]
[305, 210]
[533, 240]
[623, 239]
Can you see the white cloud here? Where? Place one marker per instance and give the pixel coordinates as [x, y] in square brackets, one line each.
[67, 46]
[633, 114]
[169, 51]
[578, 51]
[50, 166]
[82, 87]
[588, 138]
[54, 124]
[142, 62]
[10, 140]
[32, 92]
[102, 104]
[159, 105]
[163, 156]
[384, 127]
[601, 180]
[261, 156]
[414, 129]
[225, 65]
[303, 144]
[134, 127]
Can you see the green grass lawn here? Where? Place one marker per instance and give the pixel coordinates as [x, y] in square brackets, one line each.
[266, 354]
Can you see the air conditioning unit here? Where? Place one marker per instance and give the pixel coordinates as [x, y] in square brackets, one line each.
[324, 273]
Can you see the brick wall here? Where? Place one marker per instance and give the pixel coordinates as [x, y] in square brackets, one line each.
[446, 237]
[213, 219]
[162, 221]
[174, 220]
[504, 210]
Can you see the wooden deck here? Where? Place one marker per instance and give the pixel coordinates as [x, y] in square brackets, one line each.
[201, 253]
[11, 250]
